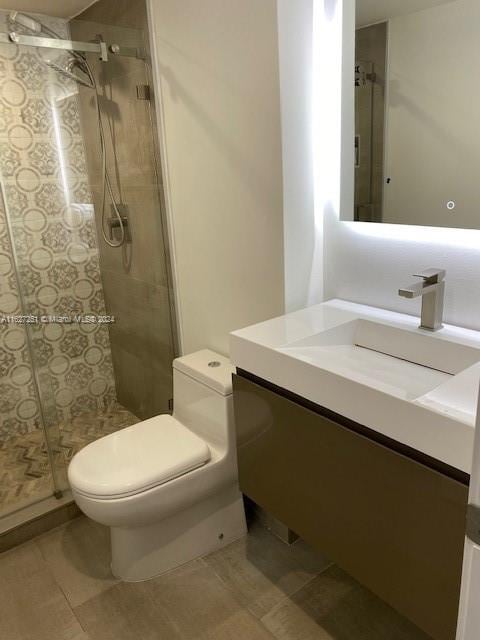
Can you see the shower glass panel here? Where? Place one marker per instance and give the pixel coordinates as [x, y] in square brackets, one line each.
[32, 467]
[86, 328]
[28, 429]
[363, 139]
[370, 69]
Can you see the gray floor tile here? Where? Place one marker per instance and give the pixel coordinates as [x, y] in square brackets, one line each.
[260, 570]
[220, 597]
[33, 606]
[202, 608]
[333, 606]
[82, 636]
[308, 558]
[78, 555]
[20, 562]
[190, 603]
[126, 612]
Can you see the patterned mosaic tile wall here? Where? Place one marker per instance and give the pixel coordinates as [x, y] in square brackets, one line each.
[51, 240]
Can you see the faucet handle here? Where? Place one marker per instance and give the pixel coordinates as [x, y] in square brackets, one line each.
[431, 276]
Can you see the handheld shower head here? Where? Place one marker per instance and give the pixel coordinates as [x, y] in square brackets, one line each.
[67, 71]
[25, 21]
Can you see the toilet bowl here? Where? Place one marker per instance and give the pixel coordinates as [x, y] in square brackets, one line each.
[167, 487]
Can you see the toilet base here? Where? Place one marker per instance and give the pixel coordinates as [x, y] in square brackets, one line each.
[145, 552]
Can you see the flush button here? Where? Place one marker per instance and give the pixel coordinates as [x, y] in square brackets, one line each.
[451, 205]
[214, 364]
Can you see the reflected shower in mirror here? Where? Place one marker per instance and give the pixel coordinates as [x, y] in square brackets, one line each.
[417, 129]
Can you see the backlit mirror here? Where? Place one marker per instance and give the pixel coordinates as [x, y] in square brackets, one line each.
[417, 112]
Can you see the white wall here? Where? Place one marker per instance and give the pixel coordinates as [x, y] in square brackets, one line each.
[217, 67]
[364, 262]
[295, 34]
[222, 127]
[372, 11]
[367, 263]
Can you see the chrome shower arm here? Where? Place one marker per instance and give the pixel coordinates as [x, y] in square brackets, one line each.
[72, 45]
[57, 43]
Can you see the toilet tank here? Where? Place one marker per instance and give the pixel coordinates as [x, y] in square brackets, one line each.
[202, 396]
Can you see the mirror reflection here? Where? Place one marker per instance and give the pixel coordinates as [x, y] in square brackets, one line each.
[417, 125]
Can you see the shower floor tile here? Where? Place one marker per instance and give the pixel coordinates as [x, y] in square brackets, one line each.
[24, 466]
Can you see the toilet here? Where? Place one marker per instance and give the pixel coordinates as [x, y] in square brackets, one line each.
[167, 487]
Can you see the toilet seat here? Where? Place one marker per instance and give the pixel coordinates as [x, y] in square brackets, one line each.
[137, 458]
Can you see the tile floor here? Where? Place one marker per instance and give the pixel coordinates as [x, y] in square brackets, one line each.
[59, 587]
[24, 465]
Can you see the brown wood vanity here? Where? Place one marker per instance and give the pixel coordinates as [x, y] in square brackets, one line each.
[390, 516]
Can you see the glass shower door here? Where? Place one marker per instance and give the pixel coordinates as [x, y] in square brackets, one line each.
[88, 343]
[48, 275]
[30, 470]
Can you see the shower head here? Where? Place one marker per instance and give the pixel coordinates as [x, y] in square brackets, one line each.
[32, 24]
[76, 60]
[26, 21]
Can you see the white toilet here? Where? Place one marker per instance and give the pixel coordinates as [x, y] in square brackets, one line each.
[167, 487]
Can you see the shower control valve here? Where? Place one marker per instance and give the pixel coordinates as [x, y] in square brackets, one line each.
[114, 223]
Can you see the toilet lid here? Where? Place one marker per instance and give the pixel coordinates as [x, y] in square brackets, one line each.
[137, 458]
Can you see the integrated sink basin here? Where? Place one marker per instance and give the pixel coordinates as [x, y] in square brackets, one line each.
[376, 368]
[399, 362]
[372, 418]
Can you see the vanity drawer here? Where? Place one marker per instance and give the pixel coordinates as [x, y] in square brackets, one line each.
[392, 522]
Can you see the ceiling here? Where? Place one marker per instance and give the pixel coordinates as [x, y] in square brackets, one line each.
[371, 11]
[59, 8]
[368, 11]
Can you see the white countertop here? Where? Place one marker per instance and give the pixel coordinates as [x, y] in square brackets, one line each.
[440, 423]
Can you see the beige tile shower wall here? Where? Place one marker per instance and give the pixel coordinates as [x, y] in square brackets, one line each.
[134, 277]
[50, 239]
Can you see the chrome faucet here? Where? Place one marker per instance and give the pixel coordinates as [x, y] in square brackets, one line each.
[432, 290]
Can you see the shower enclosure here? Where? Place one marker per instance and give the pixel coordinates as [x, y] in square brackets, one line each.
[87, 330]
[370, 72]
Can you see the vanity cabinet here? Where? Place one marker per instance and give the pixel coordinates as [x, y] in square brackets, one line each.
[393, 520]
